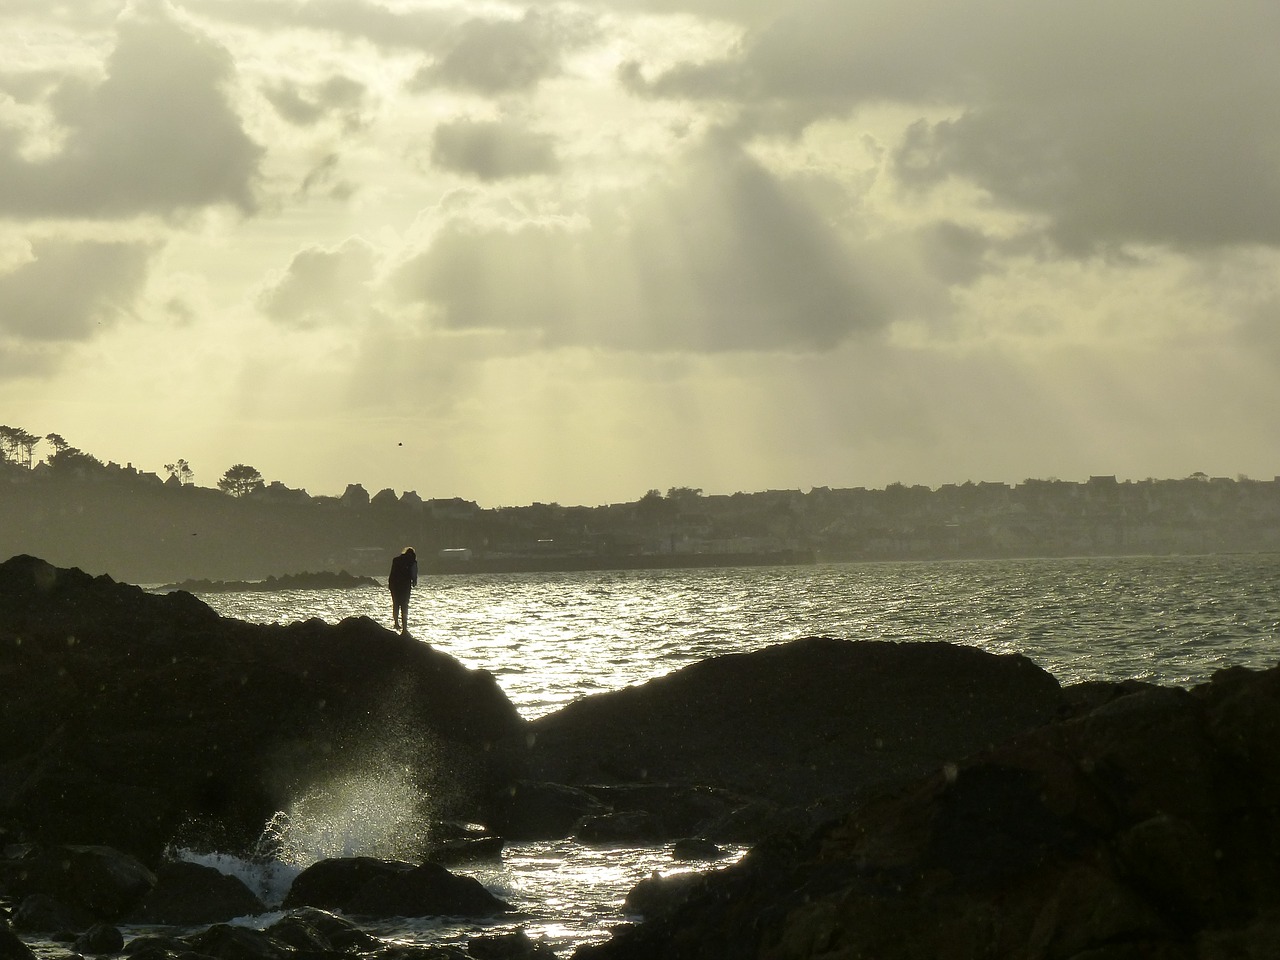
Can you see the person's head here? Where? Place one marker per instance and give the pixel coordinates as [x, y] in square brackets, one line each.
[408, 552]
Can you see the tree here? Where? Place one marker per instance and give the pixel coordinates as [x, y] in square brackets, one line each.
[241, 480]
[18, 445]
[56, 441]
[181, 471]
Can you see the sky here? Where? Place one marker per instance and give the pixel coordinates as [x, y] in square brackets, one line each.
[571, 252]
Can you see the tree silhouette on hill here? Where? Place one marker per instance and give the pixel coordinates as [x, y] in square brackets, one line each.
[241, 480]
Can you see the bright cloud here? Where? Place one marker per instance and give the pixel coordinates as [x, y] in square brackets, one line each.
[728, 244]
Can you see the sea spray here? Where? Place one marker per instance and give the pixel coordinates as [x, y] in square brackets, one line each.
[370, 813]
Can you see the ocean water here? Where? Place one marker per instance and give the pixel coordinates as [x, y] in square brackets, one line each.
[551, 638]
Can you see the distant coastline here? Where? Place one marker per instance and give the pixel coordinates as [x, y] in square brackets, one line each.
[639, 561]
[323, 580]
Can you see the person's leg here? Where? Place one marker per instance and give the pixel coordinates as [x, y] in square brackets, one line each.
[395, 610]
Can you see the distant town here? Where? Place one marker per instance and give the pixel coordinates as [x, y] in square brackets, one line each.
[74, 510]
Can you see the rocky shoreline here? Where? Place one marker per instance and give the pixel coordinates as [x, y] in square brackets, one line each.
[902, 800]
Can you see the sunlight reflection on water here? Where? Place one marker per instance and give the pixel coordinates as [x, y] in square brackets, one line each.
[551, 638]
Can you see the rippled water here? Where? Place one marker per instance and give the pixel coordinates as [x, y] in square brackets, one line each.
[550, 638]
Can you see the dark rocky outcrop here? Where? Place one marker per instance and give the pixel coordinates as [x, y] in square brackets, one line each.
[70, 887]
[187, 894]
[370, 887]
[125, 716]
[789, 726]
[1146, 827]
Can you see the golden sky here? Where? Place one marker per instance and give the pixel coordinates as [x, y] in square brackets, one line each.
[569, 252]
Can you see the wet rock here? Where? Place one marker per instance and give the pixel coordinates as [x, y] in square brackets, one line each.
[530, 811]
[99, 939]
[186, 894]
[697, 848]
[331, 884]
[225, 942]
[369, 887]
[517, 945]
[309, 930]
[428, 890]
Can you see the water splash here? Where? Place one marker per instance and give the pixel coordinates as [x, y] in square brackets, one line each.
[376, 812]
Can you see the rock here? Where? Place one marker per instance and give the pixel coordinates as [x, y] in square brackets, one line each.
[225, 942]
[331, 884]
[658, 895]
[93, 882]
[100, 938]
[528, 811]
[697, 848]
[40, 913]
[1138, 829]
[365, 886]
[187, 894]
[310, 931]
[516, 945]
[798, 721]
[126, 716]
[11, 946]
[460, 850]
[631, 828]
[675, 810]
[428, 890]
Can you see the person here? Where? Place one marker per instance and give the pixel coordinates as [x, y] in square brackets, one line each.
[402, 580]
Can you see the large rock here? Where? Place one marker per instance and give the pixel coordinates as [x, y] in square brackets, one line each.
[187, 894]
[75, 885]
[370, 887]
[124, 715]
[1145, 828]
[797, 721]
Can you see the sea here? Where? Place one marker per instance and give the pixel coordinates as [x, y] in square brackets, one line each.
[551, 638]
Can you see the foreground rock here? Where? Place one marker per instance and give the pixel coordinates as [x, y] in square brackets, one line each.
[369, 887]
[790, 725]
[1147, 827]
[128, 718]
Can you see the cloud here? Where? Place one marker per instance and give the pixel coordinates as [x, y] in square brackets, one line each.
[1113, 122]
[67, 290]
[386, 28]
[323, 286]
[493, 150]
[725, 256]
[157, 135]
[493, 57]
[305, 106]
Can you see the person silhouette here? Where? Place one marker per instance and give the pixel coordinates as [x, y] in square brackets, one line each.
[401, 581]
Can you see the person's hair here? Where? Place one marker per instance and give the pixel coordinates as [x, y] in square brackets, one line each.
[408, 551]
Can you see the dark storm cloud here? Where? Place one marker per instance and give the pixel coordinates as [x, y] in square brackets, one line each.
[68, 290]
[1116, 122]
[493, 150]
[156, 135]
[726, 258]
[499, 56]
